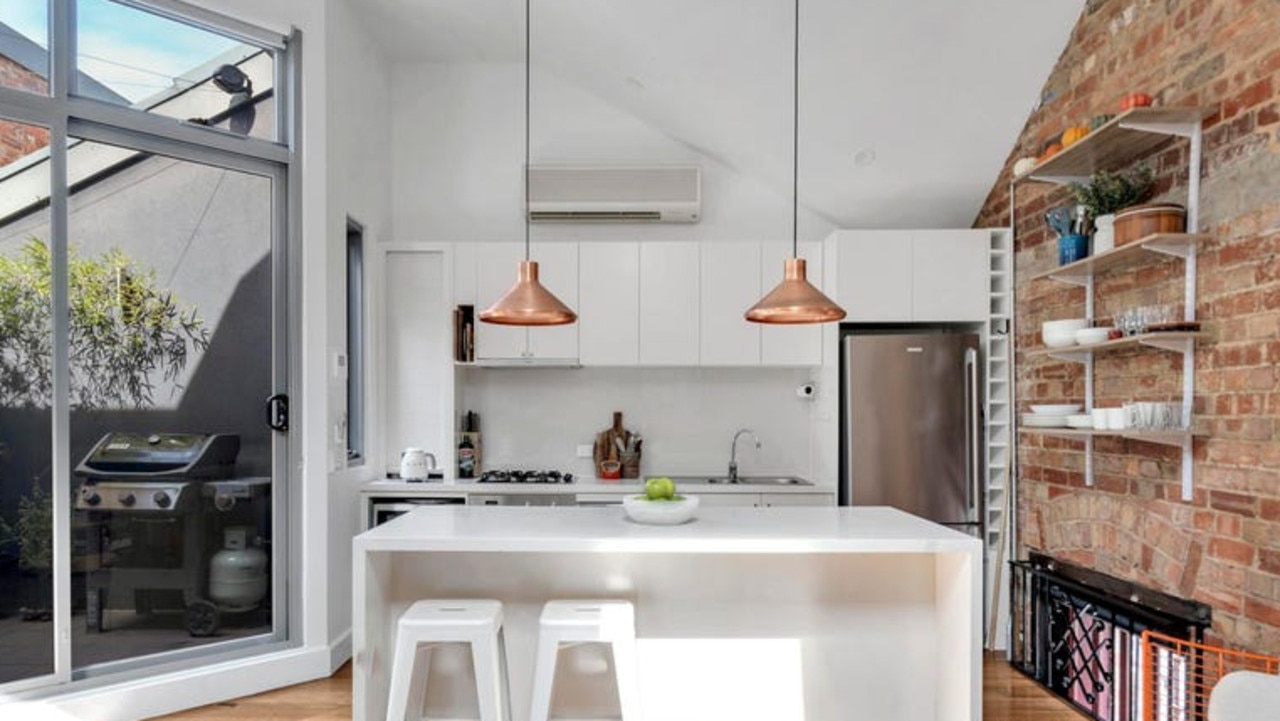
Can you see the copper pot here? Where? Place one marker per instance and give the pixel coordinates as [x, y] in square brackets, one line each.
[1140, 221]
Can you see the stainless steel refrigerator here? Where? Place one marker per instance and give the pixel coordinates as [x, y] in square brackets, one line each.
[911, 424]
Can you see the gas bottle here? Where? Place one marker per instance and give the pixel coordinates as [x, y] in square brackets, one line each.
[238, 573]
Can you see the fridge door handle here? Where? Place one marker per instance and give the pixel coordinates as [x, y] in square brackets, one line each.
[973, 434]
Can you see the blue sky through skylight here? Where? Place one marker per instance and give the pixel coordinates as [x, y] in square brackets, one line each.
[134, 53]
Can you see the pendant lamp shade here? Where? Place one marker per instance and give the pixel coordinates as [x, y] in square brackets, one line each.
[528, 302]
[795, 300]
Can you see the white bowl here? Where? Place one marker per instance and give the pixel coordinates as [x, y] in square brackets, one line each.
[1089, 336]
[1080, 420]
[660, 513]
[1057, 409]
[1062, 333]
[1043, 420]
[1070, 324]
[1059, 339]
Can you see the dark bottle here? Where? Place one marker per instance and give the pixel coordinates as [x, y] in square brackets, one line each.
[466, 458]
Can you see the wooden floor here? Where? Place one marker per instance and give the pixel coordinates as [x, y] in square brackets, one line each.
[1007, 696]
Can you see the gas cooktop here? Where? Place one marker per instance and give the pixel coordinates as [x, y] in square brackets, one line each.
[524, 476]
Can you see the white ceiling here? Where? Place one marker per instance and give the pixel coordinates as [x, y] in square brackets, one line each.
[938, 90]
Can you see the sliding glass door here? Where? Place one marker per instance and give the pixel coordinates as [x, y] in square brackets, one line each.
[26, 399]
[143, 308]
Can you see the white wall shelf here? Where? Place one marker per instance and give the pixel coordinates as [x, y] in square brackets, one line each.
[1132, 135]
[1127, 137]
[1173, 341]
[1179, 245]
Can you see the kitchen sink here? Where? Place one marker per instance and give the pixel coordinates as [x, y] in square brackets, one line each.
[772, 481]
[742, 480]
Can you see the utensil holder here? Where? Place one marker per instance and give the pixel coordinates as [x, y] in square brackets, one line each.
[1072, 248]
[630, 465]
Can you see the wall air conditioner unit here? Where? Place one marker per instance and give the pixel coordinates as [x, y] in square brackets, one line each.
[615, 194]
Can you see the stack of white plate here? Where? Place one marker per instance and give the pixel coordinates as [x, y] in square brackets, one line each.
[1051, 416]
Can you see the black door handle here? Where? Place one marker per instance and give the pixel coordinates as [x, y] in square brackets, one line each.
[278, 412]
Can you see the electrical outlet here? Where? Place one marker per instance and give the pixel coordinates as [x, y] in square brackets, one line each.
[585, 450]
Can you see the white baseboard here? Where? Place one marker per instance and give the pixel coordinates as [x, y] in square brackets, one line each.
[340, 651]
[172, 692]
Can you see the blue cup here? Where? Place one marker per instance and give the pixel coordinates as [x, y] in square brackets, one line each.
[1072, 248]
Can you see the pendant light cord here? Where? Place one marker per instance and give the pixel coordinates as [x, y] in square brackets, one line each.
[795, 140]
[528, 42]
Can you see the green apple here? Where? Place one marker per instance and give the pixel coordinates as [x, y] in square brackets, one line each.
[660, 489]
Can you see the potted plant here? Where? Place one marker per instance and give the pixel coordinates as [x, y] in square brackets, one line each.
[126, 333]
[1108, 192]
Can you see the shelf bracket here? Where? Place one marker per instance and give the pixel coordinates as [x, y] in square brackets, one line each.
[1088, 461]
[1185, 443]
[1176, 248]
[1058, 179]
[1181, 129]
[1071, 356]
[1177, 345]
[1083, 279]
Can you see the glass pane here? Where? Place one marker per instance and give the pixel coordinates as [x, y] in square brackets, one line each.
[171, 362]
[24, 45]
[26, 451]
[128, 56]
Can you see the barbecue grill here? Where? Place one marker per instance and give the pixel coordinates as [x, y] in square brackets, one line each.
[154, 507]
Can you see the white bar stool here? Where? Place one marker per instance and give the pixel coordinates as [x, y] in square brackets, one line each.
[430, 623]
[574, 622]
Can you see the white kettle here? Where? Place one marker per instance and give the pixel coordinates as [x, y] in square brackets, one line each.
[415, 464]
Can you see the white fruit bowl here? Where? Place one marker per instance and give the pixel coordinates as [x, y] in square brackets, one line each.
[660, 513]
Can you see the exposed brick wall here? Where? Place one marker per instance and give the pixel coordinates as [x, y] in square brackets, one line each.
[1223, 547]
[17, 139]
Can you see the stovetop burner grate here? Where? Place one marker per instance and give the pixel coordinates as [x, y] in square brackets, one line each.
[524, 476]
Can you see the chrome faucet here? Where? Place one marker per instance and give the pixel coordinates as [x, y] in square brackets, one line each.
[733, 452]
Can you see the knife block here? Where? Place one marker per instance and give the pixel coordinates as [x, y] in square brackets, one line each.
[607, 450]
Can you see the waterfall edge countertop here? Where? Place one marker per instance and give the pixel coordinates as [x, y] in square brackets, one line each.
[715, 530]
[781, 614]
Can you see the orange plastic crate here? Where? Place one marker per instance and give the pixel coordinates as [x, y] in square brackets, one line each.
[1178, 675]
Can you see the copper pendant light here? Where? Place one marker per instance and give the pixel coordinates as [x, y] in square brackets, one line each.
[795, 300]
[528, 302]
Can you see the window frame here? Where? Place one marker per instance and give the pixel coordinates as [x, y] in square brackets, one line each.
[68, 116]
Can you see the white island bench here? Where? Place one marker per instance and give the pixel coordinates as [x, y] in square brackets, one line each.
[784, 614]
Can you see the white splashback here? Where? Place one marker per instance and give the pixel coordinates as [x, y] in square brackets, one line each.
[687, 416]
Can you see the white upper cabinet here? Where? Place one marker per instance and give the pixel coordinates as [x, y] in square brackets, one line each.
[950, 278]
[730, 285]
[496, 266]
[558, 271]
[790, 345]
[609, 304]
[669, 281]
[874, 276]
[496, 269]
[912, 275]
